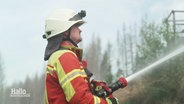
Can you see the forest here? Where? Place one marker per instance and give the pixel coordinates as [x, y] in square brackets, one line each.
[136, 47]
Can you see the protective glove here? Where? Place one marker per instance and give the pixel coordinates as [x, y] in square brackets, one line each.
[113, 100]
[100, 89]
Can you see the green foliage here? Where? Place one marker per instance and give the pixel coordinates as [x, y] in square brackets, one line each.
[151, 44]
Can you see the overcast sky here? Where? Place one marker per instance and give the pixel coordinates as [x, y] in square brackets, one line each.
[22, 26]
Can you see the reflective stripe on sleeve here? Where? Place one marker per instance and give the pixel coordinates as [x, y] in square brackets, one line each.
[70, 76]
[96, 100]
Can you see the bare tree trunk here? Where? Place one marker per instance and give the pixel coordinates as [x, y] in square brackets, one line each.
[1, 82]
[125, 50]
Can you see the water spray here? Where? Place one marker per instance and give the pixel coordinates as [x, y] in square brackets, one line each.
[151, 67]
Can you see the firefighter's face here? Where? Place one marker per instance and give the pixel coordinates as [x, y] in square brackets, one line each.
[75, 34]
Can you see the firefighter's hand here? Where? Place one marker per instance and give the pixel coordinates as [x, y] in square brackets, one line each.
[112, 100]
[100, 88]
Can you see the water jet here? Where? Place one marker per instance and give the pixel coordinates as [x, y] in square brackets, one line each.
[151, 67]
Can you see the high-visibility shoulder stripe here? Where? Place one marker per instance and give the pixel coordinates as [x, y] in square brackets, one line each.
[59, 53]
[53, 62]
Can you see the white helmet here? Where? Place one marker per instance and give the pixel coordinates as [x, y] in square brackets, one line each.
[61, 20]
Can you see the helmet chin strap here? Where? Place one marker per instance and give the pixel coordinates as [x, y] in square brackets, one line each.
[69, 39]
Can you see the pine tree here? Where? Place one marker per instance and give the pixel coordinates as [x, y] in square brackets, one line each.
[105, 67]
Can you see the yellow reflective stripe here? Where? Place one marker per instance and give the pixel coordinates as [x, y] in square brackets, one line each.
[54, 64]
[108, 101]
[96, 100]
[65, 82]
[69, 91]
[72, 75]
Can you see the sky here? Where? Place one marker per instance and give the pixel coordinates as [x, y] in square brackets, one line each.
[22, 26]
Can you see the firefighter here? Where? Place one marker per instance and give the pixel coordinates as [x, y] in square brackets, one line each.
[66, 80]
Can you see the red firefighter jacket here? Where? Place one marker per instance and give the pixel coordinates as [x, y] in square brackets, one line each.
[66, 80]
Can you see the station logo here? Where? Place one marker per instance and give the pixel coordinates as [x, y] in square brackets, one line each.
[19, 92]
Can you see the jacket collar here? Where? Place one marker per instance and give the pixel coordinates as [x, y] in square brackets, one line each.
[78, 51]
